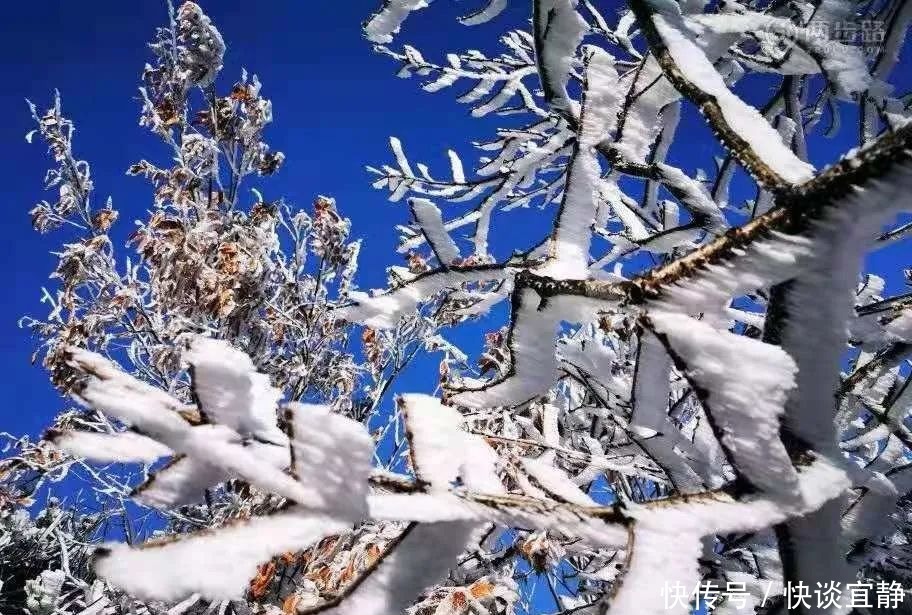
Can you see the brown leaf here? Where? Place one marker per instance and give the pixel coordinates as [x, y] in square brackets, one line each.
[240, 92]
[103, 219]
[260, 583]
[290, 606]
[458, 600]
[348, 574]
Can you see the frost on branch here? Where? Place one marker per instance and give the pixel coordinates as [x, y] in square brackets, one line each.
[683, 373]
[325, 490]
[386, 22]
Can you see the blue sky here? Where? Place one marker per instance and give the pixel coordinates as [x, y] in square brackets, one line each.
[336, 102]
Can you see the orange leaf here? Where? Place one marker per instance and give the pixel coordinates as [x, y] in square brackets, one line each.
[481, 588]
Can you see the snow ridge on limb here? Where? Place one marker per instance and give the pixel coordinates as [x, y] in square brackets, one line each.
[684, 524]
[533, 368]
[217, 452]
[217, 564]
[649, 418]
[441, 451]
[183, 480]
[384, 310]
[555, 482]
[780, 245]
[745, 384]
[486, 13]
[386, 22]
[534, 365]
[229, 389]
[558, 31]
[826, 286]
[599, 526]
[419, 558]
[796, 210]
[430, 220]
[215, 445]
[741, 127]
[819, 304]
[810, 53]
[332, 455]
[572, 232]
[125, 447]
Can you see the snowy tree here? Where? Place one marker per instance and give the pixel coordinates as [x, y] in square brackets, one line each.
[693, 390]
[213, 259]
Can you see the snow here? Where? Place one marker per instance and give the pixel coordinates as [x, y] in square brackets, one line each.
[892, 46]
[429, 218]
[641, 124]
[433, 507]
[820, 303]
[625, 208]
[743, 119]
[456, 167]
[215, 564]
[761, 264]
[442, 452]
[216, 445]
[666, 241]
[866, 517]
[381, 27]
[126, 399]
[659, 437]
[229, 389]
[125, 447]
[558, 29]
[573, 229]
[479, 466]
[504, 510]
[555, 482]
[746, 383]
[384, 310]
[821, 300]
[693, 196]
[412, 242]
[341, 448]
[900, 328]
[102, 369]
[183, 480]
[332, 459]
[683, 525]
[486, 13]
[843, 64]
[434, 433]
